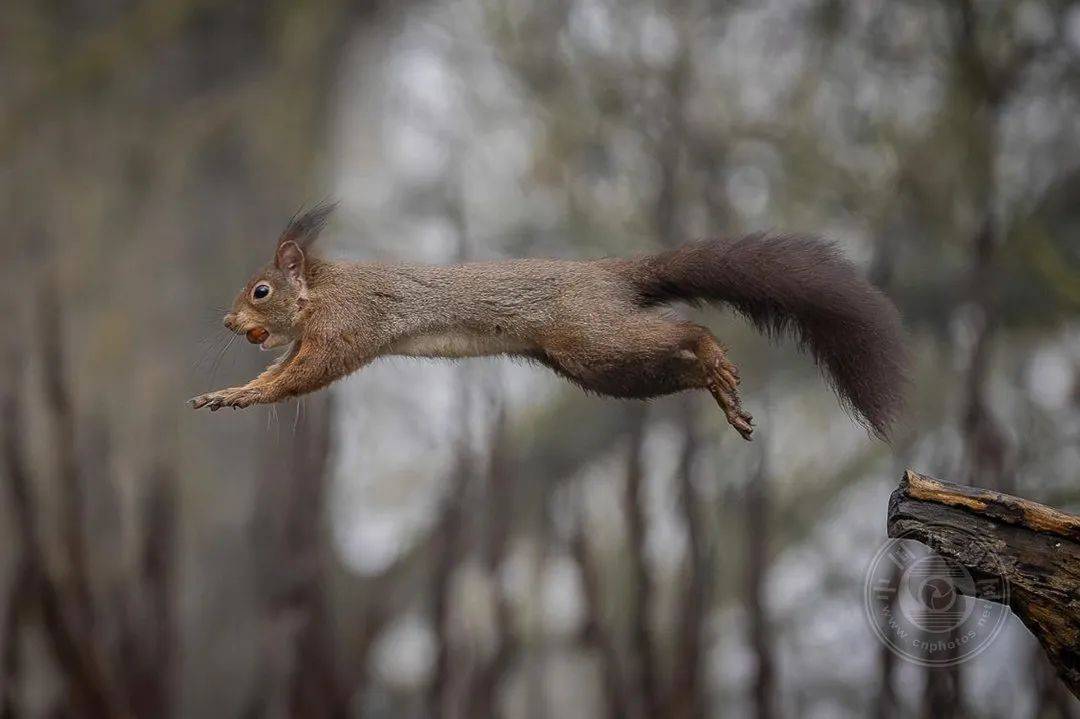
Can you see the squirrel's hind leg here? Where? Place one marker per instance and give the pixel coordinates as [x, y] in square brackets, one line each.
[648, 356]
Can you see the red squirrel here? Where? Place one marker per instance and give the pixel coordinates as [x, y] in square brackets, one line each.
[599, 323]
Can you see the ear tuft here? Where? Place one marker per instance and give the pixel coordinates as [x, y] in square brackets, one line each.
[304, 227]
[290, 260]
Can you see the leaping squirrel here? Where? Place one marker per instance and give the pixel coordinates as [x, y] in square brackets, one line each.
[596, 322]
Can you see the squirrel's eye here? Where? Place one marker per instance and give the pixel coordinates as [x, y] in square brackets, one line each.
[260, 291]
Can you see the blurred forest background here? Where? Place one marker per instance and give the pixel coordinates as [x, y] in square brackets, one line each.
[482, 539]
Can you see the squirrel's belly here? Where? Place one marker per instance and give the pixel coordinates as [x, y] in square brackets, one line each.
[454, 344]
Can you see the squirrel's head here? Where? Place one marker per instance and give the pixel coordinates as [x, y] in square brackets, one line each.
[269, 310]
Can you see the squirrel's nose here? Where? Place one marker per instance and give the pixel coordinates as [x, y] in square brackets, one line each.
[230, 321]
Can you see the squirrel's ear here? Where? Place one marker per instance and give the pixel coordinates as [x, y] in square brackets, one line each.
[304, 227]
[290, 260]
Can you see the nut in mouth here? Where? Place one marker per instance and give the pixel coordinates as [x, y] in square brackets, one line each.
[257, 335]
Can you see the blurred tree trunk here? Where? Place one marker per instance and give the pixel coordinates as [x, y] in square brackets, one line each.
[757, 565]
[314, 688]
[634, 497]
[499, 497]
[594, 633]
[685, 697]
[886, 702]
[70, 479]
[985, 445]
[984, 85]
[301, 675]
[447, 554]
[184, 123]
[19, 604]
[887, 706]
[687, 694]
[131, 677]
[150, 627]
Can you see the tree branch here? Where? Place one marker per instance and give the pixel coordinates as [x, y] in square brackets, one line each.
[1034, 548]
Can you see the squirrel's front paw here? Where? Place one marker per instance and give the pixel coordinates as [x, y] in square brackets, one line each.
[235, 397]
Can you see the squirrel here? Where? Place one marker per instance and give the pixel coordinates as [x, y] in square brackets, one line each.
[598, 323]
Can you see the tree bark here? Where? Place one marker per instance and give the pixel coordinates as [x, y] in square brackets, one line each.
[1035, 549]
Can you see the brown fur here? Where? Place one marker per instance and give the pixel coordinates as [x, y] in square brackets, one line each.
[594, 322]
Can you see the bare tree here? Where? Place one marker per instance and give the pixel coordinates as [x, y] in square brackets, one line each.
[447, 555]
[64, 607]
[594, 632]
[757, 563]
[986, 84]
[499, 497]
[647, 677]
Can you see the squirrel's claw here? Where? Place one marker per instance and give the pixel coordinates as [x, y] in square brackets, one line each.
[723, 379]
[212, 400]
[237, 398]
[742, 422]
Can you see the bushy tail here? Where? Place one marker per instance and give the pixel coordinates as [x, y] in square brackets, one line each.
[803, 285]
